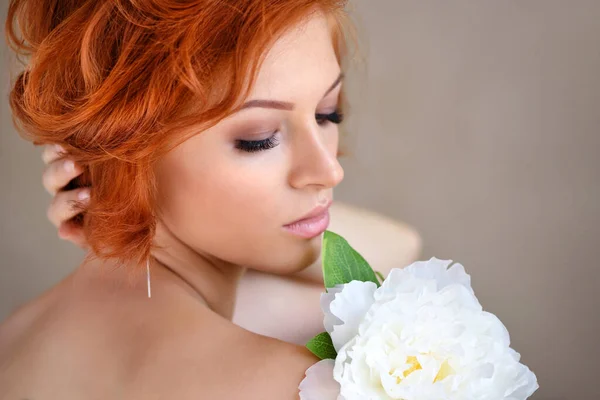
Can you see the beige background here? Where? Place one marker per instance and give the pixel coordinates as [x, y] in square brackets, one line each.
[477, 123]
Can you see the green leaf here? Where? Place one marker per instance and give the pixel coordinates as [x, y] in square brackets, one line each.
[380, 276]
[342, 264]
[322, 346]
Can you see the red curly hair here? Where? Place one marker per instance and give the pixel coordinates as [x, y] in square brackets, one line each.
[118, 83]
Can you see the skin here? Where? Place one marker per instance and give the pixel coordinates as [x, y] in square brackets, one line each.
[293, 300]
[97, 335]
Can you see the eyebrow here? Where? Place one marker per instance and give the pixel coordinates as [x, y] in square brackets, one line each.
[284, 105]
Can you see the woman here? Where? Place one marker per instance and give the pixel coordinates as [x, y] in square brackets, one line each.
[208, 132]
[285, 307]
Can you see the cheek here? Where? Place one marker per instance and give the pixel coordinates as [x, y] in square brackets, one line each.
[218, 198]
[227, 208]
[232, 200]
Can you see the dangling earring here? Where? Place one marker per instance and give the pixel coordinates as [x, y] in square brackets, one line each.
[148, 277]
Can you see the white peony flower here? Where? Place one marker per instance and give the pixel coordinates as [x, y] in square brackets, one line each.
[319, 384]
[422, 335]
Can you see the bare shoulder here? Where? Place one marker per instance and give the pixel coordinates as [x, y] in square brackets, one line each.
[20, 321]
[283, 370]
[142, 350]
[21, 336]
[231, 363]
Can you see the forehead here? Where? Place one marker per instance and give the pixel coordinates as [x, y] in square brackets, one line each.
[302, 63]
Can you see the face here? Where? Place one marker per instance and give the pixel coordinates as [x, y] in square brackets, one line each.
[232, 191]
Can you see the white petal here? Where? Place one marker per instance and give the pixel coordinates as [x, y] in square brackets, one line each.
[329, 320]
[525, 384]
[347, 310]
[415, 276]
[436, 269]
[319, 383]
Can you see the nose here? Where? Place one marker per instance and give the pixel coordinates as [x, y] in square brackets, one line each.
[315, 162]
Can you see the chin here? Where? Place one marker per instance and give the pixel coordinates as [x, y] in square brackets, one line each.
[295, 257]
[306, 254]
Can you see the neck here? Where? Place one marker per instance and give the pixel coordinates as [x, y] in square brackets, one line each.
[213, 281]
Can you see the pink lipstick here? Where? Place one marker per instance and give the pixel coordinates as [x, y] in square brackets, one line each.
[312, 224]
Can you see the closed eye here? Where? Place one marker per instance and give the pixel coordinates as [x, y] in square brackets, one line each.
[257, 145]
[336, 117]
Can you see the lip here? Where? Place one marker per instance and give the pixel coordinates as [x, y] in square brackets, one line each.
[312, 224]
[315, 212]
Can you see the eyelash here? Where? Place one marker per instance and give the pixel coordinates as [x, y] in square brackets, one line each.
[336, 117]
[257, 145]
